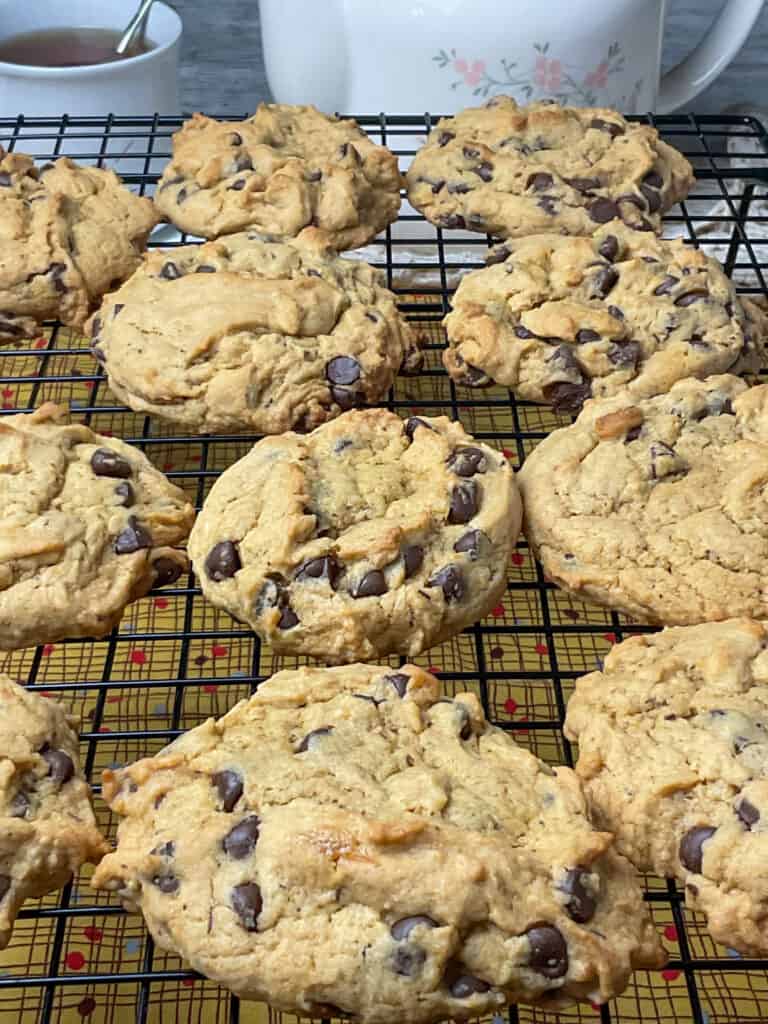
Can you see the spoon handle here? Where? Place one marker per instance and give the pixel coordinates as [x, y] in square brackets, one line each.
[136, 27]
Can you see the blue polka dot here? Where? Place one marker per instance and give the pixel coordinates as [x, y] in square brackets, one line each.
[240, 675]
[132, 945]
[160, 709]
[704, 1017]
[733, 953]
[115, 766]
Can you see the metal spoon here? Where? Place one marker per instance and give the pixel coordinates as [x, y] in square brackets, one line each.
[134, 33]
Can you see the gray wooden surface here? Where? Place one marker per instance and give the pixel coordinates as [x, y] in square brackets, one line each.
[223, 71]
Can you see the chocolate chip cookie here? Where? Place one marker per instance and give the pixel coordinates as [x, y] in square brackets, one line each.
[559, 319]
[345, 843]
[658, 508]
[369, 536]
[283, 170]
[67, 235]
[513, 171]
[87, 524]
[47, 828]
[673, 738]
[247, 334]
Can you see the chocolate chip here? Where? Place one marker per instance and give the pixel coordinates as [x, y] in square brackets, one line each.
[719, 404]
[470, 153]
[450, 580]
[484, 170]
[652, 197]
[585, 335]
[205, 268]
[451, 220]
[497, 255]
[314, 176]
[19, 806]
[467, 461]
[5, 885]
[666, 285]
[547, 204]
[105, 462]
[166, 571]
[235, 139]
[243, 162]
[412, 424]
[229, 786]
[170, 271]
[474, 377]
[408, 960]
[616, 313]
[461, 984]
[222, 561]
[688, 298]
[5, 179]
[240, 841]
[603, 281]
[465, 502]
[134, 537]
[413, 557]
[126, 495]
[342, 370]
[549, 953]
[747, 813]
[609, 248]
[182, 195]
[690, 851]
[60, 765]
[247, 904]
[237, 186]
[523, 333]
[465, 730]
[471, 543]
[459, 188]
[583, 184]
[581, 903]
[602, 210]
[540, 182]
[607, 126]
[346, 399]
[567, 397]
[653, 179]
[402, 929]
[165, 849]
[288, 618]
[169, 884]
[624, 353]
[95, 326]
[324, 567]
[444, 138]
[373, 584]
[636, 201]
[310, 741]
[399, 680]
[56, 270]
[696, 341]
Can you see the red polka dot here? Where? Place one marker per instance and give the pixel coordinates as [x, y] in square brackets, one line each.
[86, 1006]
[167, 467]
[517, 558]
[48, 649]
[497, 652]
[595, 1007]
[498, 611]
[105, 728]
[218, 651]
[161, 603]
[41, 343]
[91, 384]
[541, 649]
[107, 433]
[434, 669]
[523, 721]
[507, 453]
[8, 393]
[610, 637]
[670, 932]
[75, 961]
[9, 405]
[211, 688]
[510, 706]
[114, 700]
[138, 657]
[188, 982]
[93, 934]
[670, 975]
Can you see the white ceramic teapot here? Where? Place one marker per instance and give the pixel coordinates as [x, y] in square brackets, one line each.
[404, 56]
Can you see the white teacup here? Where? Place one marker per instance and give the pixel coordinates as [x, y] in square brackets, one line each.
[146, 84]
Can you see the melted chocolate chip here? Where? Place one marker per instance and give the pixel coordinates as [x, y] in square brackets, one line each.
[412, 424]
[134, 537]
[474, 377]
[609, 248]
[373, 584]
[459, 188]
[413, 557]
[311, 740]
[240, 841]
[465, 502]
[346, 399]
[548, 205]
[408, 960]
[166, 571]
[222, 561]
[288, 618]
[402, 929]
[126, 495]
[170, 271]
[497, 255]
[583, 184]
[585, 335]
[653, 179]
[747, 813]
[205, 268]
[484, 170]
[616, 313]
[5, 885]
[607, 126]
[229, 786]
[652, 197]
[603, 281]
[19, 806]
[168, 884]
[602, 210]
[325, 567]
[444, 138]
[451, 220]
[342, 370]
[688, 298]
[567, 397]
[470, 153]
[624, 353]
[235, 139]
[105, 462]
[399, 680]
[60, 766]
[450, 580]
[549, 952]
[666, 285]
[690, 851]
[461, 984]
[581, 903]
[467, 461]
[540, 182]
[470, 544]
[247, 904]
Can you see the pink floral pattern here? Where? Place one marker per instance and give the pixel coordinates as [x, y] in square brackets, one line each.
[546, 75]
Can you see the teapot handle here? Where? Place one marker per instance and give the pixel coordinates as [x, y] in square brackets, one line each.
[716, 50]
[316, 71]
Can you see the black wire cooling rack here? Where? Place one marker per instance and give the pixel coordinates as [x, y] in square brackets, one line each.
[174, 661]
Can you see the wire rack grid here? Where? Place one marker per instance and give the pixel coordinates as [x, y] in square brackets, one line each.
[174, 660]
